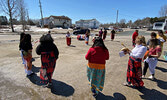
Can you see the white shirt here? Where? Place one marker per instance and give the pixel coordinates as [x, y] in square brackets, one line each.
[138, 51]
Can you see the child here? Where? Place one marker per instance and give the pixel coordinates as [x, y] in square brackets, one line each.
[68, 39]
[87, 34]
[152, 59]
[26, 47]
[49, 54]
[97, 56]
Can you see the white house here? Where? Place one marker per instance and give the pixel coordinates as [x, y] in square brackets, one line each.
[93, 23]
[57, 21]
[160, 25]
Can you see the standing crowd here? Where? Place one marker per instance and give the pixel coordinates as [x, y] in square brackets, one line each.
[96, 56]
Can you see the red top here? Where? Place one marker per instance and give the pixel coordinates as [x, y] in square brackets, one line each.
[154, 51]
[135, 34]
[97, 55]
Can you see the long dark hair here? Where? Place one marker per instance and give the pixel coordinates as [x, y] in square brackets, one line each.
[153, 43]
[21, 39]
[26, 42]
[98, 42]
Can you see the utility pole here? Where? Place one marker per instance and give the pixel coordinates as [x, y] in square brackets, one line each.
[117, 19]
[42, 22]
[28, 18]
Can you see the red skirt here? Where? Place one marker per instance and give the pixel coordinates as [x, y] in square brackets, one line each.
[68, 41]
[112, 36]
[134, 72]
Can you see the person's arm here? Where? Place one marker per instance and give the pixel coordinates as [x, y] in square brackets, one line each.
[56, 52]
[140, 52]
[88, 55]
[158, 52]
[38, 49]
[107, 55]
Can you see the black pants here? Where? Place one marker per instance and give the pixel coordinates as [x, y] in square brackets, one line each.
[145, 68]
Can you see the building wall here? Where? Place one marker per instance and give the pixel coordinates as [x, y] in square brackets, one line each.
[88, 23]
[57, 22]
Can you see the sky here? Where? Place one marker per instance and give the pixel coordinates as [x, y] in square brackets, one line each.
[105, 11]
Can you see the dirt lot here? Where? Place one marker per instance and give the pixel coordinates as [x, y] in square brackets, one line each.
[69, 79]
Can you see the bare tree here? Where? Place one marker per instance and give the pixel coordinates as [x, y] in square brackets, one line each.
[122, 23]
[130, 23]
[22, 13]
[9, 7]
[163, 11]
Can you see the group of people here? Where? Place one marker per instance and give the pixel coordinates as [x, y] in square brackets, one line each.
[104, 34]
[96, 56]
[49, 54]
[154, 47]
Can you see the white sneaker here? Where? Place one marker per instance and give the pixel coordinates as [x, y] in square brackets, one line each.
[143, 76]
[151, 77]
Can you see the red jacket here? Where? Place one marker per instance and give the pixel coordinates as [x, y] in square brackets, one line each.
[135, 34]
[97, 55]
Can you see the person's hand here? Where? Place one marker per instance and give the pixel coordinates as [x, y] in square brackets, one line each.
[125, 50]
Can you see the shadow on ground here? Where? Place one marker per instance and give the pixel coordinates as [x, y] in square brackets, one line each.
[162, 60]
[161, 69]
[152, 94]
[58, 87]
[117, 96]
[161, 84]
[72, 46]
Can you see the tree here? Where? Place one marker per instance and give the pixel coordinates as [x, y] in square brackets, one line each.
[22, 13]
[122, 23]
[130, 23]
[163, 11]
[9, 7]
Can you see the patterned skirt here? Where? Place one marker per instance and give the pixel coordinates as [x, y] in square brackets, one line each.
[96, 78]
[48, 61]
[134, 72]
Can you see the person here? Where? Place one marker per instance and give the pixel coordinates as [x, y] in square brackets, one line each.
[26, 48]
[134, 35]
[112, 35]
[49, 54]
[20, 48]
[68, 38]
[87, 34]
[152, 59]
[153, 36]
[104, 34]
[134, 70]
[80, 37]
[162, 38]
[96, 56]
[49, 32]
[101, 33]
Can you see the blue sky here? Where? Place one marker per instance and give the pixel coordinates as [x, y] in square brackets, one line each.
[103, 10]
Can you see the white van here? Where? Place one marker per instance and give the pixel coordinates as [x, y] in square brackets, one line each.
[161, 25]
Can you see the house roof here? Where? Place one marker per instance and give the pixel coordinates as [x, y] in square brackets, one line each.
[85, 20]
[46, 18]
[60, 17]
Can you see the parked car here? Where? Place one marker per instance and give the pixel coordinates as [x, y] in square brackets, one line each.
[119, 30]
[76, 28]
[81, 31]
